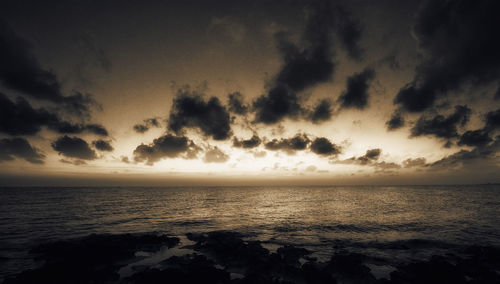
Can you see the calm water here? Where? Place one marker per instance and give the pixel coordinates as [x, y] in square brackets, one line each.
[367, 219]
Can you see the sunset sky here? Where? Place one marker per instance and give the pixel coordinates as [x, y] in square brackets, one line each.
[207, 92]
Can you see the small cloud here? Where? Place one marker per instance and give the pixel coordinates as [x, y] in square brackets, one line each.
[103, 145]
[215, 155]
[11, 148]
[74, 147]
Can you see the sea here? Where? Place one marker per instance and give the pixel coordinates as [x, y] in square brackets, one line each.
[396, 223]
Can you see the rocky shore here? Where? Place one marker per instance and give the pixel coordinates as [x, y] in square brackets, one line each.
[227, 257]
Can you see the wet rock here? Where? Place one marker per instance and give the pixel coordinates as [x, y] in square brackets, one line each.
[291, 255]
[230, 249]
[92, 259]
[349, 268]
[188, 269]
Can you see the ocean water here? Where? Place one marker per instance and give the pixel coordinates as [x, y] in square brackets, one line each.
[396, 223]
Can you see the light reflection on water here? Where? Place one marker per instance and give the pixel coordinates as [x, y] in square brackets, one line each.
[316, 217]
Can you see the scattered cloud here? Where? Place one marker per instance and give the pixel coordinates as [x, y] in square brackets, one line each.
[167, 146]
[441, 126]
[146, 125]
[247, 144]
[290, 145]
[190, 109]
[356, 94]
[103, 145]
[11, 148]
[458, 45]
[215, 155]
[74, 147]
[322, 146]
[236, 104]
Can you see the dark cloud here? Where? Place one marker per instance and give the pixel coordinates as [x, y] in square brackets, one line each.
[103, 145]
[493, 120]
[20, 118]
[167, 146]
[349, 32]
[478, 137]
[65, 127]
[19, 148]
[297, 143]
[236, 104]
[459, 45]
[189, 109]
[441, 126]
[74, 147]
[309, 63]
[21, 71]
[322, 111]
[147, 123]
[322, 146]
[279, 103]
[215, 155]
[481, 137]
[140, 128]
[413, 163]
[73, 162]
[249, 143]
[370, 156]
[356, 94]
[462, 157]
[96, 129]
[397, 121]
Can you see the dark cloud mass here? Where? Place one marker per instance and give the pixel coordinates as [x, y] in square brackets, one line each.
[412, 163]
[441, 126]
[74, 147]
[459, 43]
[215, 155]
[475, 138]
[140, 128]
[167, 146]
[236, 104]
[21, 71]
[356, 94]
[323, 146]
[297, 143]
[370, 156]
[191, 110]
[19, 148]
[20, 118]
[146, 125]
[395, 122]
[248, 143]
[103, 145]
[309, 64]
[279, 103]
[462, 157]
[322, 111]
[493, 120]
[481, 137]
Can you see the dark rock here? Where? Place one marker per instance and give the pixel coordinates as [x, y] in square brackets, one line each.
[92, 259]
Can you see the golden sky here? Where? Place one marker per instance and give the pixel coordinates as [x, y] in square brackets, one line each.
[209, 92]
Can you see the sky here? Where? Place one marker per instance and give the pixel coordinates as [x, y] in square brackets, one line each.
[249, 92]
